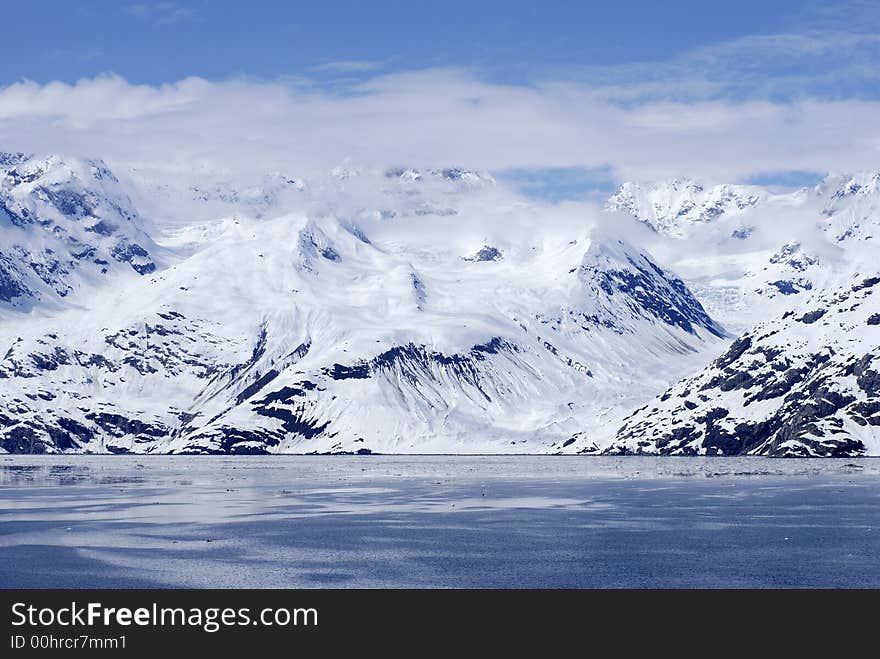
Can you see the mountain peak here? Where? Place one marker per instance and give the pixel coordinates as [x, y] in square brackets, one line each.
[458, 175]
[626, 282]
[65, 224]
[672, 207]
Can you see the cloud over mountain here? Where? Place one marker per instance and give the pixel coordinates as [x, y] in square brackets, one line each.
[434, 117]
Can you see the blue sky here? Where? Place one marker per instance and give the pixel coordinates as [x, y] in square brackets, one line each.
[563, 99]
[155, 42]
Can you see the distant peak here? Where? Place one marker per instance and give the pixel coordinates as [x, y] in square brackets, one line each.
[450, 174]
[674, 205]
[10, 159]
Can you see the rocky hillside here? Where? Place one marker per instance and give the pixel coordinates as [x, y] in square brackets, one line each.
[804, 384]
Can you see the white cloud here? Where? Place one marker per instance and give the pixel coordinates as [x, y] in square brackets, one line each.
[348, 66]
[433, 117]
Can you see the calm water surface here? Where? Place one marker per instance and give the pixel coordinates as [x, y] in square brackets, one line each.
[382, 521]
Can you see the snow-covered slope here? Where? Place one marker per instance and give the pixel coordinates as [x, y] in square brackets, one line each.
[425, 310]
[203, 197]
[748, 251]
[806, 383]
[673, 207]
[481, 329]
[65, 225]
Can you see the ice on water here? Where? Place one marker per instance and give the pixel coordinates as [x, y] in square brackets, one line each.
[438, 521]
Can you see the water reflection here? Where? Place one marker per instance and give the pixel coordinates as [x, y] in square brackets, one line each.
[89, 521]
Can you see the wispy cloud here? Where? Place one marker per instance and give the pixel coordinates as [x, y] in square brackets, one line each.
[830, 64]
[348, 66]
[160, 13]
[855, 16]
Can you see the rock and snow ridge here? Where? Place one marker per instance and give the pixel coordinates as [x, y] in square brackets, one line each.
[321, 332]
[845, 205]
[427, 313]
[806, 383]
[673, 207]
[65, 225]
[748, 251]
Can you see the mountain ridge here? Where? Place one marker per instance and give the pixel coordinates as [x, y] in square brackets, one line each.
[398, 310]
[781, 389]
[65, 225]
[330, 333]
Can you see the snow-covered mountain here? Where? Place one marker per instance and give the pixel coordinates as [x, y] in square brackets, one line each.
[429, 310]
[748, 251]
[673, 207]
[450, 174]
[360, 326]
[65, 225]
[204, 197]
[806, 383]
